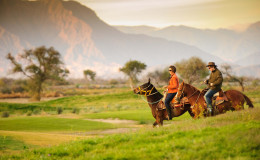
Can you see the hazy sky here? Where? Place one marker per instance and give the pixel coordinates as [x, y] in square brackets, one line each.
[160, 13]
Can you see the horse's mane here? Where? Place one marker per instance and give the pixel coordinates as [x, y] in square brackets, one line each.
[191, 87]
[156, 89]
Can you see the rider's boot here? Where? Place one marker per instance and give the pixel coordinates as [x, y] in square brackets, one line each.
[210, 110]
[169, 113]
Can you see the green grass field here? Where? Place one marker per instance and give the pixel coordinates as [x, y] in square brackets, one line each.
[50, 124]
[234, 135]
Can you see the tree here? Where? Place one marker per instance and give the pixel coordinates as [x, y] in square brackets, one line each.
[41, 64]
[192, 70]
[132, 68]
[227, 71]
[89, 73]
[160, 75]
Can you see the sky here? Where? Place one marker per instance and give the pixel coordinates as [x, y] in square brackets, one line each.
[211, 14]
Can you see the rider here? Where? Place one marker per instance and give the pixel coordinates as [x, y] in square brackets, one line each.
[172, 90]
[215, 82]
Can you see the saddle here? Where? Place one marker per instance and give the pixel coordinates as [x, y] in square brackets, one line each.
[219, 98]
[173, 104]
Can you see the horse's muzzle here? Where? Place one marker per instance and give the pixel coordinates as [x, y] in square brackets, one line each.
[136, 91]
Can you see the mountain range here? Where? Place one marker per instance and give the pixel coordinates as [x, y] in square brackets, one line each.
[87, 42]
[228, 44]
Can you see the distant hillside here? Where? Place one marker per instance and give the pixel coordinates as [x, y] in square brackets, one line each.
[83, 39]
[137, 29]
[227, 44]
[253, 59]
[250, 71]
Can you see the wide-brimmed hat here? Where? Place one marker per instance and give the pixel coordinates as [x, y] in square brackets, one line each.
[211, 64]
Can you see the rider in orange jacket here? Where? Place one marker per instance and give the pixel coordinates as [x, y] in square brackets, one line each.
[172, 90]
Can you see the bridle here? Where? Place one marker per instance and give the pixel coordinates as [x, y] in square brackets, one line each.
[182, 90]
[146, 91]
[149, 93]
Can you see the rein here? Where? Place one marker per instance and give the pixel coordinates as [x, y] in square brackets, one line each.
[192, 95]
[151, 102]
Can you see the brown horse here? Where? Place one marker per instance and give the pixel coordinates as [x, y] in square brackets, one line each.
[154, 100]
[195, 97]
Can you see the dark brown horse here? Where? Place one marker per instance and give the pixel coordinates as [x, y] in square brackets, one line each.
[154, 100]
[195, 97]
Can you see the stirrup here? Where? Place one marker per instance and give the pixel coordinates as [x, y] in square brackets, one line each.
[210, 112]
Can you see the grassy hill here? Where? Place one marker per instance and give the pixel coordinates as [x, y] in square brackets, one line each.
[47, 135]
[234, 135]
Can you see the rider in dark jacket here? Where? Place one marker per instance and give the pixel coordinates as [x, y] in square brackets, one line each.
[215, 82]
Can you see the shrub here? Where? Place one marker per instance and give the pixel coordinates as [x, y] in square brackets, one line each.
[255, 83]
[5, 114]
[59, 110]
[29, 113]
[6, 90]
[36, 112]
[75, 110]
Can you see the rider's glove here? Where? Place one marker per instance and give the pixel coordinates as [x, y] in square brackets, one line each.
[206, 81]
[177, 99]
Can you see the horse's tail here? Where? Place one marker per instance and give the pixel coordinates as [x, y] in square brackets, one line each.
[248, 101]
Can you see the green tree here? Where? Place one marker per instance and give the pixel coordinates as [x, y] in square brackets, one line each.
[41, 64]
[89, 73]
[160, 75]
[192, 70]
[132, 68]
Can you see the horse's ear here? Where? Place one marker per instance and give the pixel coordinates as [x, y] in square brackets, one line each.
[149, 80]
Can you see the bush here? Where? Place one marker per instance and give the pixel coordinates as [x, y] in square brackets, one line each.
[255, 83]
[75, 110]
[5, 114]
[29, 113]
[18, 89]
[59, 110]
[37, 111]
[6, 90]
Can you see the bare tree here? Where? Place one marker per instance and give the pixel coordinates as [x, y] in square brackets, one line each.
[227, 71]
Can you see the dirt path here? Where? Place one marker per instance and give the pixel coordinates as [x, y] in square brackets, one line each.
[114, 121]
[25, 100]
[130, 126]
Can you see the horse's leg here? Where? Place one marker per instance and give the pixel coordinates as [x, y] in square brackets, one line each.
[157, 119]
[161, 121]
[191, 113]
[155, 124]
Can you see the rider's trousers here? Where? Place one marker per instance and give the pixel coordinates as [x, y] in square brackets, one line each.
[209, 94]
[168, 100]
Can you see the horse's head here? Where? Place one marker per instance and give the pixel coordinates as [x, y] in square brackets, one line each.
[181, 92]
[144, 89]
[185, 90]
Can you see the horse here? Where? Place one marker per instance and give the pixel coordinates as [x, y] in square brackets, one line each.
[154, 100]
[235, 100]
